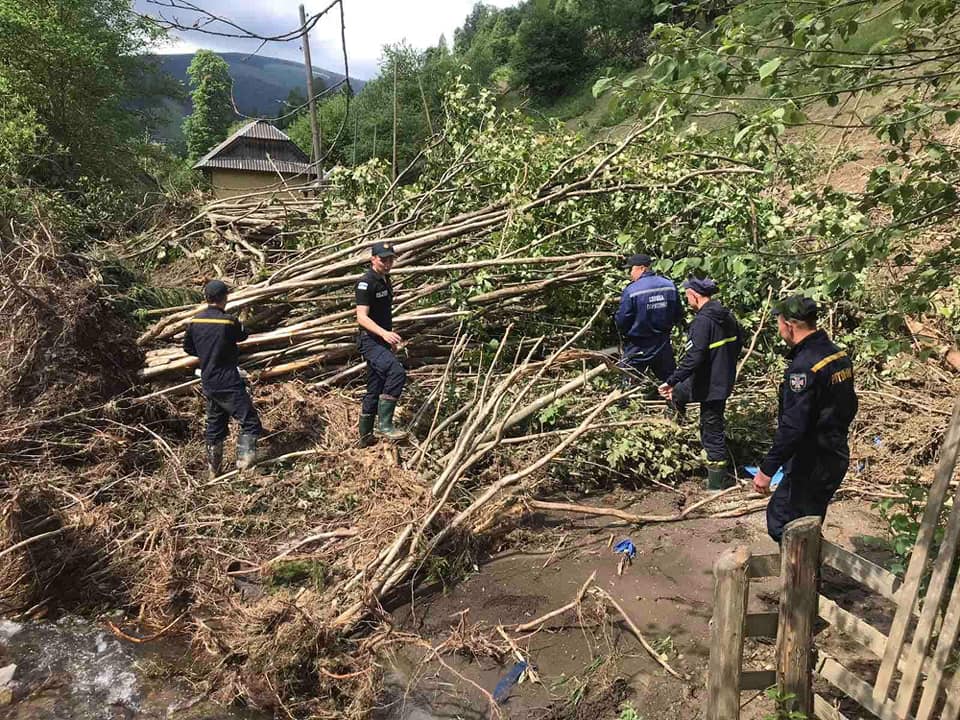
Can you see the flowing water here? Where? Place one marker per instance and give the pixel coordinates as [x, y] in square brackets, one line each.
[76, 670]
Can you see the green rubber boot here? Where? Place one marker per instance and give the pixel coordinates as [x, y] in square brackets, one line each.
[385, 410]
[214, 458]
[246, 451]
[718, 478]
[366, 429]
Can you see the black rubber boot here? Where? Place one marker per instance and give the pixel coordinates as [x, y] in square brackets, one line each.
[246, 451]
[718, 478]
[366, 430]
[214, 458]
[385, 410]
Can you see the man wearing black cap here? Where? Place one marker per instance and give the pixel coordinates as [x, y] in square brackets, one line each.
[707, 372]
[649, 308]
[817, 404]
[212, 336]
[378, 344]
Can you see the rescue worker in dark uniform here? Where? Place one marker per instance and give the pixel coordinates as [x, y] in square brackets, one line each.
[817, 404]
[649, 309]
[212, 335]
[378, 344]
[707, 372]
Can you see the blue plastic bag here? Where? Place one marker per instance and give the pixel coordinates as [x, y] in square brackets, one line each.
[774, 481]
[502, 691]
[626, 547]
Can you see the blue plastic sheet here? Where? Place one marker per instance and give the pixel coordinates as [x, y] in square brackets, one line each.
[502, 691]
[774, 481]
[626, 547]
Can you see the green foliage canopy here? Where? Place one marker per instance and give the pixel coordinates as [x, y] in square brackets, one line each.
[213, 113]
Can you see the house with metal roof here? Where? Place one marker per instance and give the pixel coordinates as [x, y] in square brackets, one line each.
[257, 157]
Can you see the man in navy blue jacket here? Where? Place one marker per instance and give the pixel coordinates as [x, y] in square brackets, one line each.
[817, 404]
[649, 309]
[707, 372]
[212, 336]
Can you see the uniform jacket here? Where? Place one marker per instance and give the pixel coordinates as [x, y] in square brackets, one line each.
[714, 340]
[817, 404]
[212, 335]
[649, 308]
[376, 292]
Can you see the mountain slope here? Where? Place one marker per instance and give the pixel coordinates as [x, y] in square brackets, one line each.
[260, 85]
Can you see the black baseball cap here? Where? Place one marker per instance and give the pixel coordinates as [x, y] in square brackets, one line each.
[701, 286]
[215, 289]
[638, 259]
[383, 250]
[797, 307]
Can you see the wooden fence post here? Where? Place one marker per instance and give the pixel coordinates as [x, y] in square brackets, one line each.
[800, 558]
[726, 634]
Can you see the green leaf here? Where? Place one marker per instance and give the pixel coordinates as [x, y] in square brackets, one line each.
[770, 67]
[951, 116]
[661, 8]
[601, 86]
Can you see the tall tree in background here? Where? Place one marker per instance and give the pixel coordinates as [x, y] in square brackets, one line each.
[77, 68]
[212, 114]
[549, 51]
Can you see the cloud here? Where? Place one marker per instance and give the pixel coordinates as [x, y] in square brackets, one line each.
[370, 24]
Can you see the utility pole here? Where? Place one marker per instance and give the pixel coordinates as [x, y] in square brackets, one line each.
[356, 135]
[395, 65]
[311, 99]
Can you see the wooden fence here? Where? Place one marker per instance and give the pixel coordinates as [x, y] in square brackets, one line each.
[915, 657]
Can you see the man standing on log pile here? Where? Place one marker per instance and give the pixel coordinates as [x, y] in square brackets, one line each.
[706, 374]
[649, 309]
[212, 335]
[378, 345]
[817, 404]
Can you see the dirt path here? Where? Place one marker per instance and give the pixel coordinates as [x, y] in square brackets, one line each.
[591, 667]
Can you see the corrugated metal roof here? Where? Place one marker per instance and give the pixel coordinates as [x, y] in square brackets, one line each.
[257, 130]
[259, 165]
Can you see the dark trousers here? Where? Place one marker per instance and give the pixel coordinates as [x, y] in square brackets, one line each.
[712, 435]
[657, 360]
[225, 404]
[800, 494]
[385, 374]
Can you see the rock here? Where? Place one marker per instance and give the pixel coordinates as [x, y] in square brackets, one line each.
[6, 675]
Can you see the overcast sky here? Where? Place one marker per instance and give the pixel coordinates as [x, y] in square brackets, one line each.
[370, 24]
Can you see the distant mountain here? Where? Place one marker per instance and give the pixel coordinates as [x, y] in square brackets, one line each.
[260, 86]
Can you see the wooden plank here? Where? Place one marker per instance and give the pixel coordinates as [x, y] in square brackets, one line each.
[860, 569]
[932, 601]
[726, 634]
[907, 596]
[941, 656]
[763, 566]
[951, 708]
[823, 710]
[761, 624]
[861, 631]
[854, 688]
[757, 679]
[800, 551]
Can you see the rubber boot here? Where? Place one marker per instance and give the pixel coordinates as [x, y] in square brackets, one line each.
[214, 458]
[366, 429]
[246, 451]
[718, 478]
[385, 409]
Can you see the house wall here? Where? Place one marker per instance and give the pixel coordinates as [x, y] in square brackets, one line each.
[231, 183]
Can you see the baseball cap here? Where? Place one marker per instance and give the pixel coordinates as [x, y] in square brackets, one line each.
[702, 286]
[214, 289]
[383, 250]
[797, 307]
[638, 259]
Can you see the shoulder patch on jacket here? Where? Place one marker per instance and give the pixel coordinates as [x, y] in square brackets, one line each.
[798, 382]
[361, 285]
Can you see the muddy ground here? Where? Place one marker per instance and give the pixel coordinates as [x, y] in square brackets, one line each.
[591, 667]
